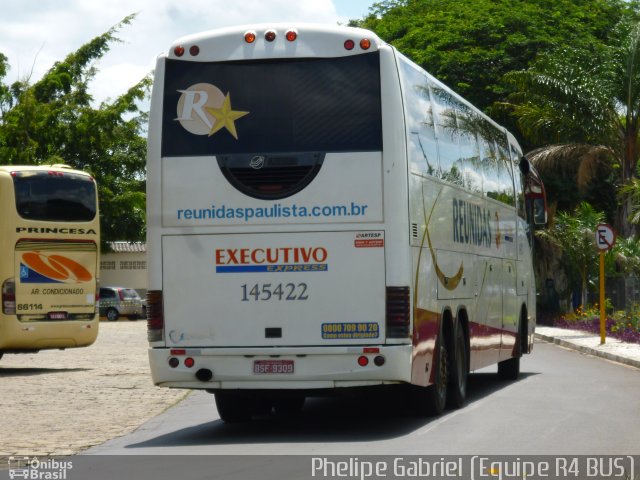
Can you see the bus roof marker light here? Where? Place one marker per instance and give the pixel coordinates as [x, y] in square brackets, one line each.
[250, 37]
[291, 35]
[194, 50]
[365, 44]
[270, 35]
[179, 51]
[349, 44]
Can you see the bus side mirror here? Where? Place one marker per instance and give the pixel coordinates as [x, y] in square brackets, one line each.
[524, 166]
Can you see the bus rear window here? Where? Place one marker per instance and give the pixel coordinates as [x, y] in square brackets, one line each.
[54, 196]
[272, 106]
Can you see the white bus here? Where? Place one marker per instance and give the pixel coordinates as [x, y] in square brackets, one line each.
[323, 216]
[50, 241]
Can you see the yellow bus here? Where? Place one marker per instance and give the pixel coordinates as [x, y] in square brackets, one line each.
[49, 254]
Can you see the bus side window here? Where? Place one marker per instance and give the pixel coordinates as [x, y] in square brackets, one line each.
[421, 135]
[447, 134]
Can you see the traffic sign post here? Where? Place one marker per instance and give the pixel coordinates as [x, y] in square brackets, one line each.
[605, 239]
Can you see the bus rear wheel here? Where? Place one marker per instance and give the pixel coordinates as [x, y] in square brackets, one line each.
[510, 369]
[458, 371]
[233, 408]
[288, 406]
[431, 400]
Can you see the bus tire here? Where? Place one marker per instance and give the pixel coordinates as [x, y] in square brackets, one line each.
[233, 408]
[430, 401]
[458, 371]
[112, 314]
[288, 406]
[510, 369]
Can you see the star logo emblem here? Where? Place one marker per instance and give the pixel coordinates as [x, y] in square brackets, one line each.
[225, 117]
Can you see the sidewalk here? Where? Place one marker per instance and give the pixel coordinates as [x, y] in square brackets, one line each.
[589, 343]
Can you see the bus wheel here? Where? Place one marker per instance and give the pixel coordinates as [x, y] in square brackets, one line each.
[457, 392]
[233, 408]
[112, 315]
[510, 369]
[288, 406]
[431, 400]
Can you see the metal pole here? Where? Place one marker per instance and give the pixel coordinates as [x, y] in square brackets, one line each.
[602, 301]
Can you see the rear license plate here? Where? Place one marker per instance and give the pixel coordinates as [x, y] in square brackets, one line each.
[265, 367]
[57, 315]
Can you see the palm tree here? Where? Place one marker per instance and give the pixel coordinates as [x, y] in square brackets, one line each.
[584, 107]
[573, 234]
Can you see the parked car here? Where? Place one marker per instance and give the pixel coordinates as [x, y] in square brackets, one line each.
[120, 301]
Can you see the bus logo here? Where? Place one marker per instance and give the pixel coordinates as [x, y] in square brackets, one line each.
[204, 110]
[257, 162]
[38, 267]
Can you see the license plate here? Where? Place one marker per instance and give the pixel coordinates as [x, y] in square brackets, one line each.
[266, 367]
[57, 315]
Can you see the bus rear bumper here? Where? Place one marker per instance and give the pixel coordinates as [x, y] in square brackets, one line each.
[306, 368]
[16, 337]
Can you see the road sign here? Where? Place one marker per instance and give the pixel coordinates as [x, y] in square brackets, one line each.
[605, 237]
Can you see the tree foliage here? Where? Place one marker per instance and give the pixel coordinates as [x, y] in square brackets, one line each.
[573, 235]
[471, 44]
[584, 104]
[53, 121]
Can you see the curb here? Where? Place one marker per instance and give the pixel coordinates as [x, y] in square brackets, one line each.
[590, 351]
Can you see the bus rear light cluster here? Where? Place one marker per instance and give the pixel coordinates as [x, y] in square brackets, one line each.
[9, 297]
[365, 44]
[398, 312]
[179, 51]
[155, 315]
[270, 36]
[378, 360]
[174, 361]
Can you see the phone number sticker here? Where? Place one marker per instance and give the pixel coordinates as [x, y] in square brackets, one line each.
[342, 331]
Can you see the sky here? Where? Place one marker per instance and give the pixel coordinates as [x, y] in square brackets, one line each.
[36, 33]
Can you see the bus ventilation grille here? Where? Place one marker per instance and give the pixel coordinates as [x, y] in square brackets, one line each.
[270, 177]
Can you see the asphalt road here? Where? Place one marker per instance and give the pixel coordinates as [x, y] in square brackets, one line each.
[564, 403]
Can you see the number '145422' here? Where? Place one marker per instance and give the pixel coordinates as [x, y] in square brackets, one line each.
[263, 292]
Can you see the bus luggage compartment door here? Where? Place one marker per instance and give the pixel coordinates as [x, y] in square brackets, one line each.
[274, 289]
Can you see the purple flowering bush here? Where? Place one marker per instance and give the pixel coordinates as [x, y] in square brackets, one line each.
[622, 325]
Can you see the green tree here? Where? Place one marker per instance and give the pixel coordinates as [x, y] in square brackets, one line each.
[584, 105]
[53, 121]
[573, 234]
[471, 44]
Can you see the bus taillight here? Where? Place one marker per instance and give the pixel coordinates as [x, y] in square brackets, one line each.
[250, 37]
[291, 35]
[9, 297]
[155, 315]
[270, 36]
[398, 312]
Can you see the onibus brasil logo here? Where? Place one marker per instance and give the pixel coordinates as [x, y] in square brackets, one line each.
[38, 267]
[204, 110]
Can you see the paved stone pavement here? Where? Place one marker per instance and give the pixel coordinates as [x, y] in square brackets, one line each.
[61, 402]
